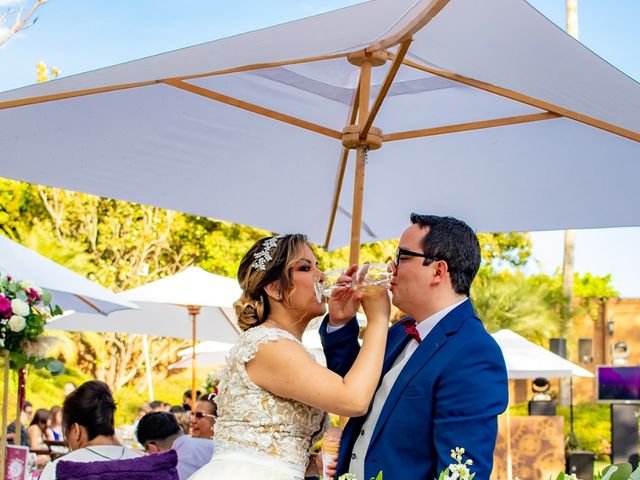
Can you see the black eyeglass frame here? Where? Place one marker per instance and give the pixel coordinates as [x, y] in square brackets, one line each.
[409, 253]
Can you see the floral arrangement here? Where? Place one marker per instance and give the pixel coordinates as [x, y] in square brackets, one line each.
[212, 381]
[459, 470]
[24, 311]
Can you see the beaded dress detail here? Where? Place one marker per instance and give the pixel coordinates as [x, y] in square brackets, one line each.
[252, 419]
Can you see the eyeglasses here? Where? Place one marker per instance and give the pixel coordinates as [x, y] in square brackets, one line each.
[408, 253]
[199, 415]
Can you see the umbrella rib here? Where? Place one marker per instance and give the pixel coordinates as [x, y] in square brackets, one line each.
[386, 85]
[76, 93]
[235, 102]
[464, 127]
[91, 304]
[343, 166]
[528, 100]
[420, 20]
[125, 86]
[259, 66]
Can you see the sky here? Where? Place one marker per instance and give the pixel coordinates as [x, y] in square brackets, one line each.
[80, 35]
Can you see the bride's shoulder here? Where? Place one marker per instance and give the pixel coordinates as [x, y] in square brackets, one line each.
[253, 338]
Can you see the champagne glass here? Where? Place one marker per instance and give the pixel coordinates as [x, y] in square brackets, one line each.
[324, 287]
[372, 275]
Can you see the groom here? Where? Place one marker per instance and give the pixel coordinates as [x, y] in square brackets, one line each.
[444, 379]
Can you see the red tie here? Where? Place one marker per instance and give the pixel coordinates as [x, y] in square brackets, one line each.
[409, 325]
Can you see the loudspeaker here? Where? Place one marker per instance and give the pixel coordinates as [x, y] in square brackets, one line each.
[542, 407]
[624, 434]
[580, 463]
[585, 350]
[558, 346]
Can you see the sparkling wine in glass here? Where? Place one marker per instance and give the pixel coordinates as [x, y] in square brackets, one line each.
[372, 275]
[325, 287]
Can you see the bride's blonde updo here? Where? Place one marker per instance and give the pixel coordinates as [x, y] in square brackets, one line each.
[252, 308]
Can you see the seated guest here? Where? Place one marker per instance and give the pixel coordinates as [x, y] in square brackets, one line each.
[56, 422]
[160, 431]
[203, 417]
[25, 417]
[182, 416]
[186, 399]
[40, 430]
[87, 422]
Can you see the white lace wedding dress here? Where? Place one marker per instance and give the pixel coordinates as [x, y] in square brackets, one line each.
[257, 434]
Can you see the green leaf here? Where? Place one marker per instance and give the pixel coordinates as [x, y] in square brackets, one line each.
[623, 472]
[56, 367]
[635, 475]
[46, 297]
[607, 473]
[40, 363]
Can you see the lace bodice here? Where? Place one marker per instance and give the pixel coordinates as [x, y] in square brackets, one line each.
[251, 418]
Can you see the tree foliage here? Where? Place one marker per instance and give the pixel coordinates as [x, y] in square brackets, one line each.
[122, 245]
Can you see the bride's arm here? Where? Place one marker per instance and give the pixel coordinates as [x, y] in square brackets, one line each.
[285, 369]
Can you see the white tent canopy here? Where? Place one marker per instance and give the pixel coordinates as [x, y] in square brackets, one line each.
[525, 359]
[69, 290]
[495, 116]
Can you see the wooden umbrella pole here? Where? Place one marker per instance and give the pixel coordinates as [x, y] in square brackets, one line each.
[358, 185]
[194, 310]
[5, 409]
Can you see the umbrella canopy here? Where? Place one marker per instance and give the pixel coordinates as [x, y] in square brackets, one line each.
[214, 353]
[488, 112]
[525, 359]
[192, 286]
[154, 319]
[68, 289]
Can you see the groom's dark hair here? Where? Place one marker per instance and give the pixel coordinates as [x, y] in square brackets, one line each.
[453, 241]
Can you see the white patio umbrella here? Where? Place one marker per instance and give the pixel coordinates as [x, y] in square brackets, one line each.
[525, 359]
[193, 288]
[488, 112]
[191, 304]
[69, 290]
[214, 353]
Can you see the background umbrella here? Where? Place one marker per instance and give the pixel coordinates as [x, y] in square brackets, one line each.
[191, 304]
[69, 290]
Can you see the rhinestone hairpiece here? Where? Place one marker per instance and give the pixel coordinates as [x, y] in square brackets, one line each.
[264, 256]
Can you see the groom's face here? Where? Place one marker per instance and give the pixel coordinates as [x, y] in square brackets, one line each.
[410, 285]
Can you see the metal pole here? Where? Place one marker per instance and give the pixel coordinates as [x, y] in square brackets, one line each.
[194, 310]
[147, 361]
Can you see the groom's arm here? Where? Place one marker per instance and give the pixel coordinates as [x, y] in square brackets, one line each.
[470, 395]
[340, 346]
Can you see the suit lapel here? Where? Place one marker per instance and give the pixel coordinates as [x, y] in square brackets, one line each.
[429, 346]
[425, 351]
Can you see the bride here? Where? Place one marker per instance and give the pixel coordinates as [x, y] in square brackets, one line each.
[273, 395]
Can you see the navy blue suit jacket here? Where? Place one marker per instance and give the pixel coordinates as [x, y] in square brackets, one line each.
[448, 395]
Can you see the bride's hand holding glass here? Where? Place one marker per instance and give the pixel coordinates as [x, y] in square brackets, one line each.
[343, 300]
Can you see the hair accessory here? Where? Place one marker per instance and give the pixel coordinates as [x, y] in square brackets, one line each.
[264, 255]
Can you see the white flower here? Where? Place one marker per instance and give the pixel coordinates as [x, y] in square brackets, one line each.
[1, 342]
[17, 323]
[19, 307]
